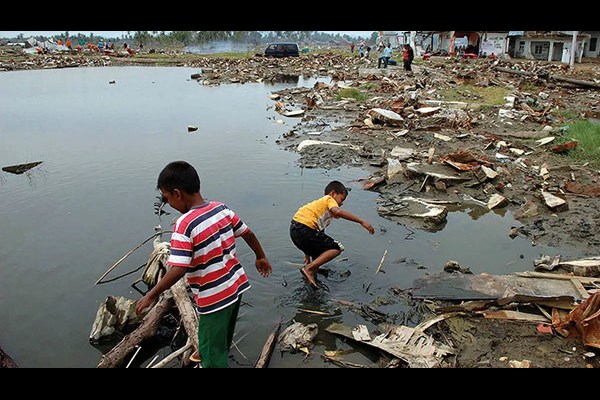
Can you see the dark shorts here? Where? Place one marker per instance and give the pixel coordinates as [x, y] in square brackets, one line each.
[311, 241]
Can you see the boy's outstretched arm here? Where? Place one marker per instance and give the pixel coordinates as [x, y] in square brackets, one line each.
[339, 213]
[262, 264]
[172, 276]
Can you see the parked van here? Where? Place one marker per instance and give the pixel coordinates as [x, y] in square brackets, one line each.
[282, 49]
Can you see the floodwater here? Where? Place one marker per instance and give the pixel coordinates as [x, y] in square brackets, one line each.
[91, 201]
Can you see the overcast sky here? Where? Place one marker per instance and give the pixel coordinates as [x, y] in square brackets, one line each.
[11, 34]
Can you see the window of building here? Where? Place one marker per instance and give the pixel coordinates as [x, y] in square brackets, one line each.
[521, 47]
[593, 44]
[538, 49]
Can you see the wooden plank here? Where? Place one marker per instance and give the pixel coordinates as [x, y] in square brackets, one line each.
[514, 315]
[20, 168]
[265, 355]
[577, 284]
[502, 288]
[544, 312]
[533, 274]
[417, 349]
[423, 326]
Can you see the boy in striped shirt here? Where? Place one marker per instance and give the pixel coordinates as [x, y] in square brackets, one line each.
[203, 249]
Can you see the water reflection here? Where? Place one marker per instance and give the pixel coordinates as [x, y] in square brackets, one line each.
[33, 176]
[291, 79]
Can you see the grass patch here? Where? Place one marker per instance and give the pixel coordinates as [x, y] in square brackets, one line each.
[529, 87]
[491, 95]
[566, 116]
[369, 86]
[351, 93]
[587, 136]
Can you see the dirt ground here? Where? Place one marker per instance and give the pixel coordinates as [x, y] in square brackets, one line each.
[495, 343]
[468, 134]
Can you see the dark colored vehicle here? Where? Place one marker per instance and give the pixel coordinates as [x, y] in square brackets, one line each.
[282, 50]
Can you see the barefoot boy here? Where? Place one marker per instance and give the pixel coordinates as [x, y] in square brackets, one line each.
[307, 229]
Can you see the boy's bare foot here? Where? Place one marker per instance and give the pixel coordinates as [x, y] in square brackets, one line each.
[309, 277]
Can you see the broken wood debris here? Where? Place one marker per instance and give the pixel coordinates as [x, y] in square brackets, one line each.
[265, 355]
[502, 288]
[19, 169]
[416, 348]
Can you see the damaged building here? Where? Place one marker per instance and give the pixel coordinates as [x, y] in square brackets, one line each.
[535, 45]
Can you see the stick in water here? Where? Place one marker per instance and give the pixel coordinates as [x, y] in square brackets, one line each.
[127, 255]
[381, 262]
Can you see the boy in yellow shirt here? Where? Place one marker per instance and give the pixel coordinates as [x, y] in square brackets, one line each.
[307, 229]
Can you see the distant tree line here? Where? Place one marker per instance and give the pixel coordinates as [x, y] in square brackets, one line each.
[187, 38]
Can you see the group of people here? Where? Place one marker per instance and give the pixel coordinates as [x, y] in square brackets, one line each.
[203, 250]
[385, 56]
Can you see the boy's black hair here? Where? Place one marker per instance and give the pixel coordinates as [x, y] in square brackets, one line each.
[179, 175]
[337, 187]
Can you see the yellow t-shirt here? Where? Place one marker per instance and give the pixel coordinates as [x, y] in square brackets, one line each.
[316, 214]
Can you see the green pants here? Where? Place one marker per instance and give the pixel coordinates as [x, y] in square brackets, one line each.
[215, 335]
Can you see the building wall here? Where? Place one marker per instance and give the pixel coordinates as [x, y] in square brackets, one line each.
[546, 50]
[494, 42]
[589, 50]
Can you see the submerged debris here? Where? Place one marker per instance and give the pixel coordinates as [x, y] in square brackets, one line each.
[297, 336]
[21, 168]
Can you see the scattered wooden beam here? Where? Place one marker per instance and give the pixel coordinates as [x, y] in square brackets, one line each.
[502, 288]
[188, 314]
[576, 81]
[174, 355]
[514, 316]
[265, 355]
[583, 279]
[414, 347]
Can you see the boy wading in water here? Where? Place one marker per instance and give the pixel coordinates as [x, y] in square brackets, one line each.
[307, 229]
[203, 249]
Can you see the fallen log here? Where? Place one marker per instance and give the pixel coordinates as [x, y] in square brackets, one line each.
[265, 355]
[189, 317]
[576, 81]
[114, 358]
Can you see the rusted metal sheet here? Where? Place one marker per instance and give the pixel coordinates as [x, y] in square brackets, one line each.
[584, 321]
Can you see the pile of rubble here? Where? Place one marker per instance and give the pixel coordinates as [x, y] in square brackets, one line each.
[50, 61]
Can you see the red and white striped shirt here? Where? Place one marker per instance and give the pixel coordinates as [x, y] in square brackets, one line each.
[203, 241]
